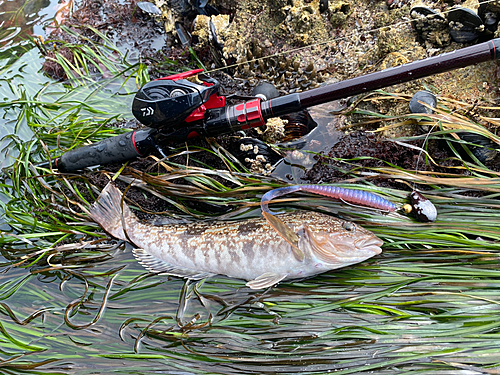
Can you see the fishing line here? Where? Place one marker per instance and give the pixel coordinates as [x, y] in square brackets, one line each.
[414, 187]
[329, 41]
[422, 150]
[434, 126]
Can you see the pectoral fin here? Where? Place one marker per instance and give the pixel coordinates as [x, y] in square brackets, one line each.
[266, 280]
[286, 233]
[155, 265]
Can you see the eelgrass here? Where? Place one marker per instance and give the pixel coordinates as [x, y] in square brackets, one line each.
[74, 301]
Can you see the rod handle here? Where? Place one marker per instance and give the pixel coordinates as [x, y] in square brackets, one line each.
[120, 148]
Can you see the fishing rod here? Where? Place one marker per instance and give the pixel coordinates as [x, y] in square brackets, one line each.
[179, 107]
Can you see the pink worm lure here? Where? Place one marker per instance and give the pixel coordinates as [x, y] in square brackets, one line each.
[354, 196]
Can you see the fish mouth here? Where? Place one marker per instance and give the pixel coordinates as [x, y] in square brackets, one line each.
[371, 243]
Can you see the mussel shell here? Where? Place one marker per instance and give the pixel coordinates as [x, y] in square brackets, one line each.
[149, 8]
[490, 15]
[465, 25]
[426, 11]
[418, 12]
[323, 5]
[423, 209]
[182, 35]
[299, 125]
[430, 25]
[423, 96]
[486, 151]
[265, 91]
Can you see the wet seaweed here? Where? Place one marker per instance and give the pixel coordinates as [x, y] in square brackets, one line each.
[74, 300]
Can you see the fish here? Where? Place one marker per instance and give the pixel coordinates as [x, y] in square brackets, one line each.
[249, 249]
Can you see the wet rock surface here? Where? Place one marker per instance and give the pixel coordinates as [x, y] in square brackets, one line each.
[372, 151]
[298, 45]
[291, 43]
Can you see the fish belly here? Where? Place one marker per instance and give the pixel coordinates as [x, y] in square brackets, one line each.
[223, 248]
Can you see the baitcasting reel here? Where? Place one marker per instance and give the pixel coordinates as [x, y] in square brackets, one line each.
[168, 102]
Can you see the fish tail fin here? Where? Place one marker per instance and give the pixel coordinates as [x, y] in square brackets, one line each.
[109, 210]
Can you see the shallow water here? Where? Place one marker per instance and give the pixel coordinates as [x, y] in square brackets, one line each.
[13, 79]
[91, 308]
[20, 62]
[20, 20]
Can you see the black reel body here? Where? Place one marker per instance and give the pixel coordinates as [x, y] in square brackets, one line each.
[170, 101]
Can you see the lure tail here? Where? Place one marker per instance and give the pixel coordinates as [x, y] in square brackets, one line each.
[109, 210]
[352, 196]
[275, 193]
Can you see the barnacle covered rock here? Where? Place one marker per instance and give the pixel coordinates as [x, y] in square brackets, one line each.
[213, 28]
[339, 11]
[392, 40]
[355, 38]
[256, 155]
[299, 22]
[274, 130]
[303, 21]
[168, 15]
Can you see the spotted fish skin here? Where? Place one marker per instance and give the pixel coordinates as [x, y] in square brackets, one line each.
[249, 249]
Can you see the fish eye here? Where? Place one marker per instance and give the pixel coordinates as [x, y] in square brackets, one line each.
[348, 226]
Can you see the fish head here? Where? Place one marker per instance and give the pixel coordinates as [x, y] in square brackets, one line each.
[339, 243]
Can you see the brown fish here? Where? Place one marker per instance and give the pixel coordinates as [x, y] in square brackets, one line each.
[250, 249]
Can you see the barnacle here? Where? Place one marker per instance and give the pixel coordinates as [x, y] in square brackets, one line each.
[274, 130]
[205, 32]
[285, 74]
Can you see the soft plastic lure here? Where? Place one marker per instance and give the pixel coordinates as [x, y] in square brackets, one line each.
[354, 196]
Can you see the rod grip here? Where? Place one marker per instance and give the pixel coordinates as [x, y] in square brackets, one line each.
[120, 148]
